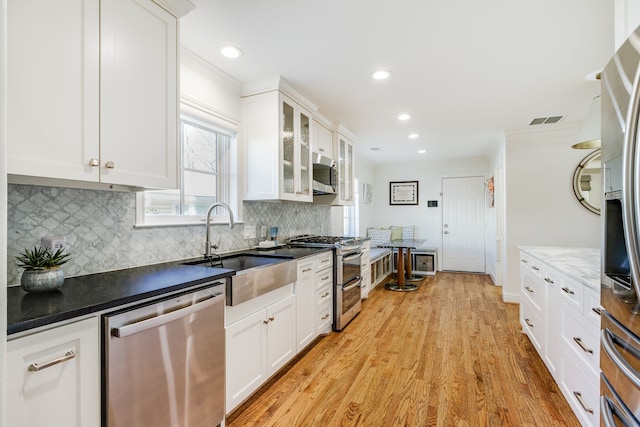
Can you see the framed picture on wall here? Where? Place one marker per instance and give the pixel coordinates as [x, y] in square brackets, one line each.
[403, 193]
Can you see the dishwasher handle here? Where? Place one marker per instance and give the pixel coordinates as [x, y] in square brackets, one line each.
[154, 322]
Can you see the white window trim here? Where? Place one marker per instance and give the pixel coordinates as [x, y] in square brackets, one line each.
[192, 110]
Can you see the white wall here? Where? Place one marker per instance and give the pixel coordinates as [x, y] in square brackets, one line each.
[541, 209]
[3, 218]
[365, 174]
[429, 174]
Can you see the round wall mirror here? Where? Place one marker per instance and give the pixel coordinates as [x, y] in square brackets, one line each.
[587, 182]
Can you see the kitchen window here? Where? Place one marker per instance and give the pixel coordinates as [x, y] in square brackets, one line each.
[207, 159]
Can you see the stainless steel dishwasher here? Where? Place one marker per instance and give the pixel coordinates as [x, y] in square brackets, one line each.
[164, 362]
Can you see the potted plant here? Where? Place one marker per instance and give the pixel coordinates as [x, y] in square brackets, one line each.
[42, 268]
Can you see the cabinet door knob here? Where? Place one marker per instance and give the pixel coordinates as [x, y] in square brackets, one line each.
[109, 165]
[94, 162]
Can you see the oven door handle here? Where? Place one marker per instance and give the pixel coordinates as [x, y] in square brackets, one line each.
[351, 256]
[358, 281]
[614, 406]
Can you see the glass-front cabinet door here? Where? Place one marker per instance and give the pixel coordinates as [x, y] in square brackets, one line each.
[296, 152]
[345, 170]
[305, 154]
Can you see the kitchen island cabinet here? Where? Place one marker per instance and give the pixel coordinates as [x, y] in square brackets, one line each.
[53, 377]
[92, 92]
[559, 312]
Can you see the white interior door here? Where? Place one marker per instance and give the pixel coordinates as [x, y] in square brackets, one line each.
[463, 224]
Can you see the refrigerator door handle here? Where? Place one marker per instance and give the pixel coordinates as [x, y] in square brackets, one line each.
[611, 405]
[609, 340]
[629, 190]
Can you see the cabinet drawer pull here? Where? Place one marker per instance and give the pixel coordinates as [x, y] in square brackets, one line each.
[597, 310]
[569, 291]
[324, 278]
[524, 261]
[325, 260]
[34, 367]
[325, 317]
[109, 165]
[528, 289]
[94, 162]
[325, 295]
[578, 396]
[584, 348]
[534, 268]
[546, 279]
[529, 323]
[269, 320]
[306, 270]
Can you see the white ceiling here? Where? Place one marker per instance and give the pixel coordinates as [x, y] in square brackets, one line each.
[465, 70]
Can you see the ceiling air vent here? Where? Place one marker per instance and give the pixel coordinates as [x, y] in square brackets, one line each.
[545, 120]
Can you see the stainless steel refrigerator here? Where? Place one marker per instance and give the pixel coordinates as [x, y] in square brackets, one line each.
[620, 331]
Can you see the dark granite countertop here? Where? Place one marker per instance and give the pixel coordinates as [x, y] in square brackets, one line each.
[92, 293]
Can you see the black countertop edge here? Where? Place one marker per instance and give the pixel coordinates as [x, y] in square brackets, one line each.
[93, 293]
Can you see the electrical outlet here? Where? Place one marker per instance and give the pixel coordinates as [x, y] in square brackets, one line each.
[249, 231]
[263, 231]
[53, 242]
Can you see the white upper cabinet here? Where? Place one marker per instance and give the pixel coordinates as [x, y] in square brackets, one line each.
[92, 91]
[53, 88]
[277, 139]
[346, 170]
[321, 139]
[138, 94]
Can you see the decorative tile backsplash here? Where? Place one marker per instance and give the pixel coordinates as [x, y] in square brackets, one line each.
[100, 233]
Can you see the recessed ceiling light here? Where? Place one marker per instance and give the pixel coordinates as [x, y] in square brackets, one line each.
[231, 52]
[422, 151]
[404, 117]
[380, 74]
[413, 136]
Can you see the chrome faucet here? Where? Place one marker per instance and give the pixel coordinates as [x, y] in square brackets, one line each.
[208, 246]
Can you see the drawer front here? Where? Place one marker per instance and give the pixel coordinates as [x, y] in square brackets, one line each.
[323, 318]
[580, 391]
[592, 306]
[323, 295]
[534, 289]
[532, 324]
[572, 295]
[324, 278]
[582, 339]
[324, 260]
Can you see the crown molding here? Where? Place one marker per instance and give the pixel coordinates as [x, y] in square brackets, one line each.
[177, 8]
[281, 84]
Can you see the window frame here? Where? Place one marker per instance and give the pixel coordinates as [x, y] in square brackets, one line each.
[227, 171]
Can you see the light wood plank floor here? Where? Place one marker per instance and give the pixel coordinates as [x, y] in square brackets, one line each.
[450, 354]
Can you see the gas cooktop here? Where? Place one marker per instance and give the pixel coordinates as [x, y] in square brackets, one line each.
[311, 240]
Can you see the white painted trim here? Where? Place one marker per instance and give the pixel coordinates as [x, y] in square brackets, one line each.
[196, 63]
[281, 84]
[510, 298]
[3, 208]
[177, 8]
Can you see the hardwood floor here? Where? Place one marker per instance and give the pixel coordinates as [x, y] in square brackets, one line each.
[450, 354]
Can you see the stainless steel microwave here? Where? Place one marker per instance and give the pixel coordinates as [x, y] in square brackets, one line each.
[325, 175]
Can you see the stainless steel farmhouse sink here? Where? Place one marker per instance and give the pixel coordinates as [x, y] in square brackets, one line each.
[255, 275]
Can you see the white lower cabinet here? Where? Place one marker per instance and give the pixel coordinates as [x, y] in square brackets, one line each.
[53, 377]
[323, 297]
[560, 316]
[305, 290]
[257, 346]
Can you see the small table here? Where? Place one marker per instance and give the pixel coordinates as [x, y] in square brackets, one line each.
[401, 245]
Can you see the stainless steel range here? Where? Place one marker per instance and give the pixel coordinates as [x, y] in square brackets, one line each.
[346, 274]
